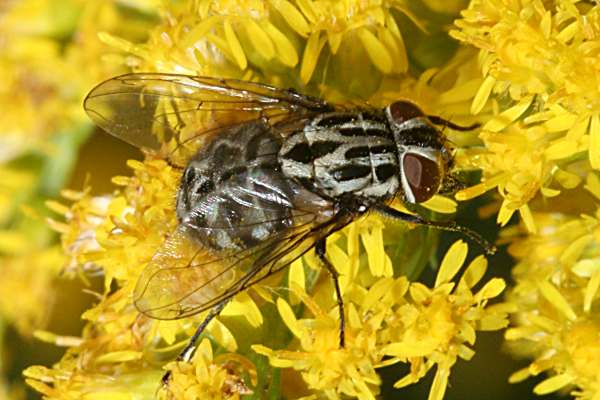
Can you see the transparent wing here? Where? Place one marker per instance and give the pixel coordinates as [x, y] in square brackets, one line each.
[149, 110]
[261, 221]
[183, 279]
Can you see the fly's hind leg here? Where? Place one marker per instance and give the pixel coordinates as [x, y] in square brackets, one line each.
[320, 250]
[188, 352]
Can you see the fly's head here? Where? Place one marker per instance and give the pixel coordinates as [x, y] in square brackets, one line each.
[425, 156]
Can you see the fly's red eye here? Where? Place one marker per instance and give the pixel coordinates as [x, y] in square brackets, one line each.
[423, 176]
[401, 111]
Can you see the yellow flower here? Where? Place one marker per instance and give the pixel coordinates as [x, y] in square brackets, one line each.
[119, 233]
[323, 365]
[437, 326]
[391, 321]
[555, 303]
[54, 384]
[209, 377]
[538, 67]
[289, 43]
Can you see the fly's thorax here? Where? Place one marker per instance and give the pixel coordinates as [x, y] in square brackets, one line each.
[344, 153]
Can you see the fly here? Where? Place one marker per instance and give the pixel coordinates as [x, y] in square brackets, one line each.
[267, 175]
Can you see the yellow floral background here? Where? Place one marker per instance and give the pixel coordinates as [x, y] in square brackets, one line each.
[81, 214]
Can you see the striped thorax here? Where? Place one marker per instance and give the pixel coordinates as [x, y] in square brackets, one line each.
[371, 155]
[244, 184]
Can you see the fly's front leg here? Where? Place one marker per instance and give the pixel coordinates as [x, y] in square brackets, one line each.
[320, 249]
[443, 225]
[188, 352]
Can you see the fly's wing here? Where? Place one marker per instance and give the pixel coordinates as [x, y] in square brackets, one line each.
[183, 279]
[262, 221]
[163, 112]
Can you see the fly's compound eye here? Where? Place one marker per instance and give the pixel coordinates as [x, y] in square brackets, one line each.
[422, 175]
[402, 111]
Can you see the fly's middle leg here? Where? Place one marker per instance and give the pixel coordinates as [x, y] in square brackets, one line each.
[320, 249]
[188, 351]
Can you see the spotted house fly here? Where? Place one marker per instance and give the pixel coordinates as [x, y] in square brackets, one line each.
[267, 175]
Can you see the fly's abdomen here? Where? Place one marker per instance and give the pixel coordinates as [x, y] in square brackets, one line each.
[233, 195]
[340, 154]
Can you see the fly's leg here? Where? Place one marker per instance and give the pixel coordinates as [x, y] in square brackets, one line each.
[320, 250]
[442, 225]
[188, 352]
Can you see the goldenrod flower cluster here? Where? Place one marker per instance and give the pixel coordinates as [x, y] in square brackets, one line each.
[540, 71]
[392, 321]
[527, 72]
[556, 289]
[308, 44]
[43, 50]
